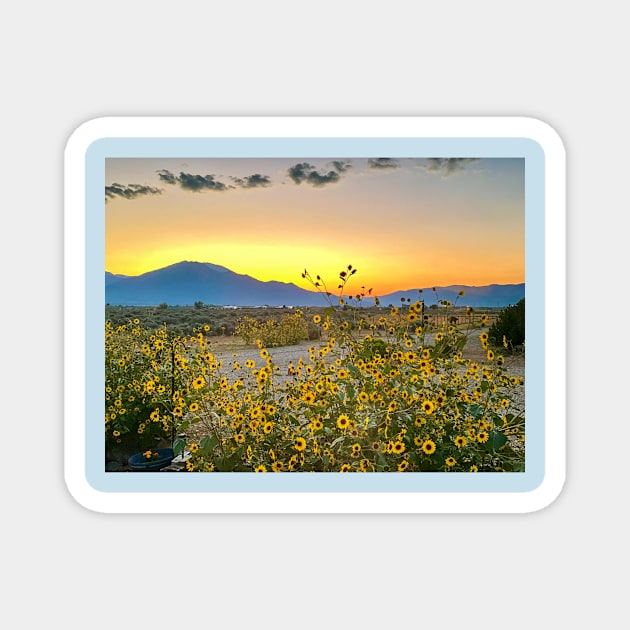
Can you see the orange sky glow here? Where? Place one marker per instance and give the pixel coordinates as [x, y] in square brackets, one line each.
[402, 223]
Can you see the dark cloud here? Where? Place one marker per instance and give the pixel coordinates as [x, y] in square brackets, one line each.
[131, 191]
[252, 181]
[382, 163]
[341, 166]
[167, 176]
[200, 182]
[299, 172]
[305, 172]
[195, 183]
[448, 166]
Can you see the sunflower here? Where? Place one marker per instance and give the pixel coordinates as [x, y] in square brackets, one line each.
[429, 447]
[460, 441]
[482, 436]
[428, 407]
[317, 318]
[343, 422]
[398, 447]
[260, 469]
[450, 462]
[299, 444]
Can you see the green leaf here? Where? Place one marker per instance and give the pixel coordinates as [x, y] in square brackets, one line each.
[498, 420]
[381, 462]
[475, 410]
[178, 446]
[496, 440]
[209, 443]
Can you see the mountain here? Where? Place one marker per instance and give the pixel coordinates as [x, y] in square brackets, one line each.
[186, 282]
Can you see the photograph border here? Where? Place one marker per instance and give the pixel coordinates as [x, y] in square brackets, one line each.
[310, 137]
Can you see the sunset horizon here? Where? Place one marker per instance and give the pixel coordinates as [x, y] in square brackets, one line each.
[354, 286]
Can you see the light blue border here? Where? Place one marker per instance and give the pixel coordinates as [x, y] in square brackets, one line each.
[303, 148]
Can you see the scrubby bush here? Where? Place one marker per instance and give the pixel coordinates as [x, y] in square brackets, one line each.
[509, 328]
[287, 331]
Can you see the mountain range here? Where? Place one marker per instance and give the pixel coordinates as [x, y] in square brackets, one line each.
[186, 283]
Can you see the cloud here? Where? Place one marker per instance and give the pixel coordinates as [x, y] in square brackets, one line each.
[305, 172]
[448, 166]
[200, 182]
[382, 163]
[195, 183]
[130, 191]
[341, 166]
[167, 176]
[252, 181]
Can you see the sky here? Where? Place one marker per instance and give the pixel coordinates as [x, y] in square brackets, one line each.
[403, 223]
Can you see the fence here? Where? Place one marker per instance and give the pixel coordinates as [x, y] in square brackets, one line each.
[459, 320]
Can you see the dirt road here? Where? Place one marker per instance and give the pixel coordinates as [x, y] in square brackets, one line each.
[230, 350]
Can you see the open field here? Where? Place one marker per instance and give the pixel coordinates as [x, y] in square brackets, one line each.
[364, 382]
[224, 320]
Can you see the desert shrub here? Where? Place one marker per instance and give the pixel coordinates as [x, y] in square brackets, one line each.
[509, 328]
[288, 330]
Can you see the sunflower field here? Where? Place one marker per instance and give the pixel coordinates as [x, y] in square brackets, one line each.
[386, 393]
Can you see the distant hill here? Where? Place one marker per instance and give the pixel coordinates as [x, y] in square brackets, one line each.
[490, 295]
[186, 282]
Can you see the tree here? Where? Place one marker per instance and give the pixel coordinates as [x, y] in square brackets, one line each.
[509, 328]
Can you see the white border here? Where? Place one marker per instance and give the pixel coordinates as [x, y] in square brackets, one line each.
[314, 127]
